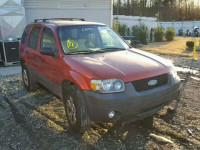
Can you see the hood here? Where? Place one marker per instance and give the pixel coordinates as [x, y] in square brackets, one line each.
[126, 65]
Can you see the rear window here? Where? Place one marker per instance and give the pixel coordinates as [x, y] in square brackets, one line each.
[33, 38]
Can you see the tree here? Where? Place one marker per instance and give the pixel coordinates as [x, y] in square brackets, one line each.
[169, 10]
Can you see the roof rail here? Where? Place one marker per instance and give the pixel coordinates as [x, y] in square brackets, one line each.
[69, 19]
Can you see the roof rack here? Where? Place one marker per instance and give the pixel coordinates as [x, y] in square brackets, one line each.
[69, 19]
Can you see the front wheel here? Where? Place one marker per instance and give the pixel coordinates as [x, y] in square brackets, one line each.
[75, 109]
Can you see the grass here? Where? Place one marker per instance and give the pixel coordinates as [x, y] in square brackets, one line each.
[176, 47]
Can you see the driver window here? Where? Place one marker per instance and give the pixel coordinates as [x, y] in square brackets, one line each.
[48, 39]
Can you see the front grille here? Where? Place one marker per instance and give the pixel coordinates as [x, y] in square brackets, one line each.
[142, 85]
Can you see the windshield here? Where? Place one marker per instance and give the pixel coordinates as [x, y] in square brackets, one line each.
[89, 39]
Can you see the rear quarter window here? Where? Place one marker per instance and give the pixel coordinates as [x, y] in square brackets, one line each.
[25, 34]
[34, 37]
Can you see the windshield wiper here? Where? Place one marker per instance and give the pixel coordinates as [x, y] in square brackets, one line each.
[79, 52]
[86, 52]
[112, 49]
[96, 51]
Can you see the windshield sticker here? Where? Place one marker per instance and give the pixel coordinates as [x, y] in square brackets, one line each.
[72, 44]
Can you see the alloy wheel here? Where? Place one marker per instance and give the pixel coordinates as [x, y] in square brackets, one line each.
[71, 110]
[25, 77]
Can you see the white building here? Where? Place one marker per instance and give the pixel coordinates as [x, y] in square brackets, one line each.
[90, 10]
[15, 14]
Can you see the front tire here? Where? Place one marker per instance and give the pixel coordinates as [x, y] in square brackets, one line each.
[75, 109]
[29, 83]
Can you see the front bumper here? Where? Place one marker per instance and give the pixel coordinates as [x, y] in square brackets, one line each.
[130, 105]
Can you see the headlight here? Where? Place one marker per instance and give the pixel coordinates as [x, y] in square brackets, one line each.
[174, 74]
[108, 86]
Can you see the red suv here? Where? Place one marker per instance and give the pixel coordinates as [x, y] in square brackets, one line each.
[96, 73]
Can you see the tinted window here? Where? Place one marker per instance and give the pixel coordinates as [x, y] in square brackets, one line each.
[48, 39]
[34, 36]
[25, 33]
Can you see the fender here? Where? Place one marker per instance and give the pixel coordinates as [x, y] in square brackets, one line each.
[79, 80]
[23, 59]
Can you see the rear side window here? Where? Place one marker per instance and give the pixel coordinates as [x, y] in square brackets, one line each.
[33, 38]
[25, 33]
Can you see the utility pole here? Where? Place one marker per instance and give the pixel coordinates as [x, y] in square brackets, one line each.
[140, 9]
[186, 10]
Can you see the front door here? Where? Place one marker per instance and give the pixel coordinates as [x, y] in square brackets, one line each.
[49, 65]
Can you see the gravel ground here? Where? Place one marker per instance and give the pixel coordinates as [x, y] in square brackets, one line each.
[37, 121]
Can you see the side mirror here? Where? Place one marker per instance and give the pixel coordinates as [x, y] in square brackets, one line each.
[48, 51]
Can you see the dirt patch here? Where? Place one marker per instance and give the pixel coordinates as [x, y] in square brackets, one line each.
[37, 121]
[175, 47]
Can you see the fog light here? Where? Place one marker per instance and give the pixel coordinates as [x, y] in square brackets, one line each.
[111, 114]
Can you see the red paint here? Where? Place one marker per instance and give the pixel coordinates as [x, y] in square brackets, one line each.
[80, 69]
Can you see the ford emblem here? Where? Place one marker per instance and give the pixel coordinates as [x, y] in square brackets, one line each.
[152, 82]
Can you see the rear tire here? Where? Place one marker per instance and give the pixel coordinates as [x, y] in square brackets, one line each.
[76, 109]
[29, 83]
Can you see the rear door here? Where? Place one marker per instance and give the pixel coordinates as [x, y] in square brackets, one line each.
[32, 49]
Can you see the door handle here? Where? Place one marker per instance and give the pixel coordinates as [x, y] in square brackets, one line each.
[39, 58]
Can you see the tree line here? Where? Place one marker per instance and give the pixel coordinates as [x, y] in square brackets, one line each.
[164, 10]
